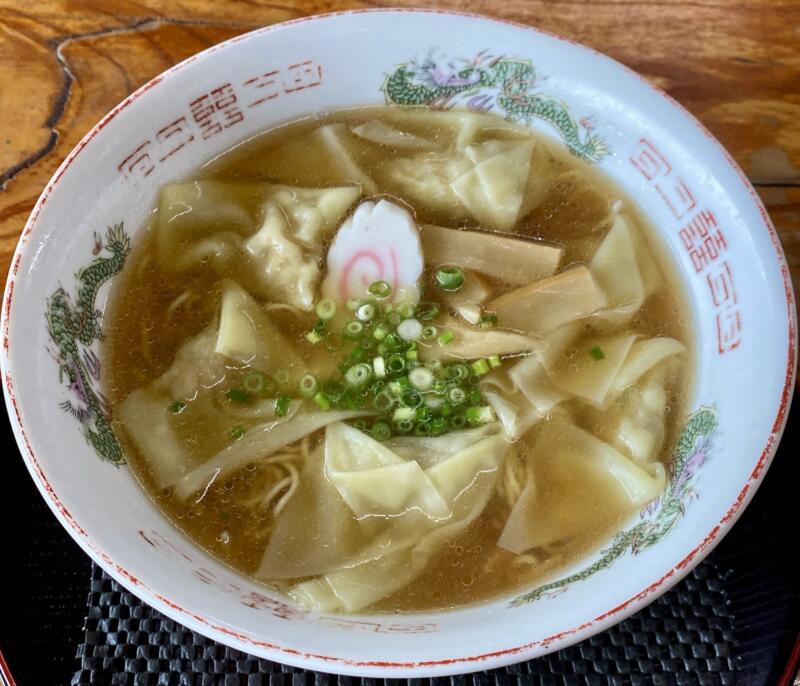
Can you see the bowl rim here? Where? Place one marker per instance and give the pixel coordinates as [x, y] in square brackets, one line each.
[389, 668]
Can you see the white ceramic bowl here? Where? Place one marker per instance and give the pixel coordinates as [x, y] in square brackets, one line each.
[710, 217]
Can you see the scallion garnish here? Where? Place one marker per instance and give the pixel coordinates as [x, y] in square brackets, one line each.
[427, 311]
[422, 429]
[446, 338]
[237, 395]
[309, 386]
[353, 330]
[282, 405]
[358, 375]
[321, 327]
[255, 382]
[421, 378]
[353, 304]
[326, 309]
[396, 363]
[597, 353]
[282, 377]
[410, 329]
[237, 432]
[429, 333]
[477, 415]
[381, 431]
[379, 367]
[366, 312]
[177, 407]
[450, 278]
[322, 401]
[457, 395]
[495, 361]
[380, 289]
[313, 337]
[480, 367]
[402, 413]
[488, 321]
[383, 401]
[380, 332]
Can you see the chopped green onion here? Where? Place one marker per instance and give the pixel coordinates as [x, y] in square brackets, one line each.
[393, 318]
[237, 395]
[457, 395]
[411, 398]
[404, 425]
[282, 405]
[379, 367]
[423, 414]
[353, 304]
[488, 321]
[360, 424]
[439, 386]
[326, 308]
[380, 289]
[446, 338]
[353, 330]
[475, 397]
[366, 312]
[177, 407]
[450, 278]
[458, 421]
[254, 382]
[393, 342]
[282, 377]
[380, 332]
[495, 361]
[367, 343]
[422, 429]
[381, 431]
[596, 353]
[429, 333]
[309, 386]
[446, 409]
[409, 329]
[383, 401]
[313, 337]
[472, 380]
[480, 367]
[433, 401]
[323, 401]
[458, 371]
[402, 413]
[320, 326]
[435, 365]
[479, 414]
[237, 432]
[412, 355]
[358, 375]
[395, 388]
[396, 363]
[406, 310]
[421, 378]
[438, 425]
[427, 311]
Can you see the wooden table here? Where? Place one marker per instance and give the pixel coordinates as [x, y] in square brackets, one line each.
[735, 64]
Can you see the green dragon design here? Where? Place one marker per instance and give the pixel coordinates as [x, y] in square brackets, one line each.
[483, 83]
[660, 516]
[73, 328]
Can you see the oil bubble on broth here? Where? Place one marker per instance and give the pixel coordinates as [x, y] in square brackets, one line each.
[398, 360]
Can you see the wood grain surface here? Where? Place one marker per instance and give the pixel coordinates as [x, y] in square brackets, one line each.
[734, 64]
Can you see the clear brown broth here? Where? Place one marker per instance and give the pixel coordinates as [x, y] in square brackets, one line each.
[143, 335]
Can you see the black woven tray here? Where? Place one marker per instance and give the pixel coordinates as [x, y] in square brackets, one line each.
[732, 621]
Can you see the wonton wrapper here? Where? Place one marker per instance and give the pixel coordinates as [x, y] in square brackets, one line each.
[379, 541]
[247, 334]
[272, 234]
[625, 270]
[588, 484]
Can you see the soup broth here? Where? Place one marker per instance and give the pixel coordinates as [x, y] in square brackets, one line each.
[500, 412]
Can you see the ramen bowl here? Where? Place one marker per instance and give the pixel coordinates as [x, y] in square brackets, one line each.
[709, 218]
